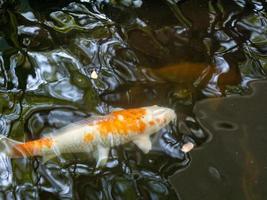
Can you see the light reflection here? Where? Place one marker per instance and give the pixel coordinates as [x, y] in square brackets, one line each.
[67, 43]
[6, 175]
[57, 179]
[29, 16]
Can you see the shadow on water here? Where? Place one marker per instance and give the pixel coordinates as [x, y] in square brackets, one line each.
[165, 53]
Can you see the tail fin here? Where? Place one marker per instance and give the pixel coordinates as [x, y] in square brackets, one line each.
[8, 147]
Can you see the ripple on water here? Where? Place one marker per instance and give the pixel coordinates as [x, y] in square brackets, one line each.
[160, 53]
[55, 180]
[34, 37]
[6, 175]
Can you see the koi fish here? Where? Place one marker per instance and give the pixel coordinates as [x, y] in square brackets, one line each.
[184, 72]
[188, 72]
[96, 136]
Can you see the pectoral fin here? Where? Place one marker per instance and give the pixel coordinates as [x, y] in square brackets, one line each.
[102, 156]
[143, 142]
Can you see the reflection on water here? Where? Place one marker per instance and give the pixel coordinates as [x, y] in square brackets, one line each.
[144, 53]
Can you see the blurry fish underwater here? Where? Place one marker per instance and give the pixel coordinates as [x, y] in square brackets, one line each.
[96, 136]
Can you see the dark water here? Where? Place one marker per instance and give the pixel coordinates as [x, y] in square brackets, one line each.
[161, 53]
[237, 166]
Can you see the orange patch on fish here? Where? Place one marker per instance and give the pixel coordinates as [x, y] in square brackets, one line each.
[88, 137]
[151, 123]
[132, 122]
[33, 148]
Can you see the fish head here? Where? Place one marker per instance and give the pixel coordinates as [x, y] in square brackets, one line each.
[158, 117]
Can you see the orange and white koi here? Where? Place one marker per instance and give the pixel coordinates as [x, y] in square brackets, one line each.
[96, 136]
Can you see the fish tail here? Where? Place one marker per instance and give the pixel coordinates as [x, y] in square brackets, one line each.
[9, 147]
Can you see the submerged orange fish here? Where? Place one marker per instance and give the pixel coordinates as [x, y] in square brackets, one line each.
[96, 136]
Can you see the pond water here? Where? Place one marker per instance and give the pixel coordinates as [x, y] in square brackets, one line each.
[158, 52]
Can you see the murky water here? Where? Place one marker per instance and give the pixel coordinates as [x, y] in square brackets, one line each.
[160, 53]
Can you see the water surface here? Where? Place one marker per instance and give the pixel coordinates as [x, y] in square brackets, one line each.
[161, 53]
